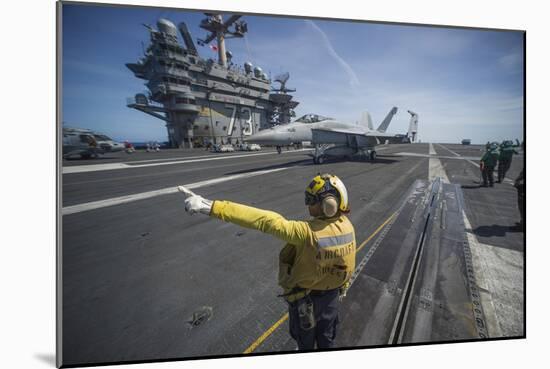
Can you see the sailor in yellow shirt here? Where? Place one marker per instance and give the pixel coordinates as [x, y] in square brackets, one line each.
[317, 261]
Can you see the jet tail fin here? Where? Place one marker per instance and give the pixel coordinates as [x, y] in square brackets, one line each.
[366, 120]
[386, 122]
[413, 126]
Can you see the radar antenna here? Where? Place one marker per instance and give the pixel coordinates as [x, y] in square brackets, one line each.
[282, 79]
[220, 30]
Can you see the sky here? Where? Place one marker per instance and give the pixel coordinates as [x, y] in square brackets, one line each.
[463, 83]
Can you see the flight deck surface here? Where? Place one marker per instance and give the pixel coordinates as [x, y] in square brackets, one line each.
[143, 280]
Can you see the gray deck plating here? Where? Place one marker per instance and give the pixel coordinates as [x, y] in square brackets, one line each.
[372, 304]
[442, 307]
[415, 288]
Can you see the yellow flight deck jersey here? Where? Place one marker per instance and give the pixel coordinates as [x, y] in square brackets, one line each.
[319, 254]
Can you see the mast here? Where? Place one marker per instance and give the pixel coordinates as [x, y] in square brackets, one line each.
[220, 30]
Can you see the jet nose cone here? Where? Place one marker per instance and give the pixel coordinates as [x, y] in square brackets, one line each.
[261, 137]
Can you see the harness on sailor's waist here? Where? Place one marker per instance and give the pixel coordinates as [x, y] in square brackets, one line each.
[298, 293]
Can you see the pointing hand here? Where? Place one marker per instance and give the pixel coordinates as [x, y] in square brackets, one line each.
[187, 192]
[195, 203]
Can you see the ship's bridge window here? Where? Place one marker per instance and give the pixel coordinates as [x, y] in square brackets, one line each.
[311, 118]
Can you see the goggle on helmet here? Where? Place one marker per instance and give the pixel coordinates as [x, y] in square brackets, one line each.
[324, 184]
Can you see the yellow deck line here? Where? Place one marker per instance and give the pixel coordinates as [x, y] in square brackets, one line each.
[266, 334]
[375, 232]
[272, 329]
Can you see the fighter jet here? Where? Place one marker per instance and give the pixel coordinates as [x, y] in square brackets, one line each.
[333, 138]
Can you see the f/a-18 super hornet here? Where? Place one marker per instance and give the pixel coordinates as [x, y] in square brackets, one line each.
[334, 138]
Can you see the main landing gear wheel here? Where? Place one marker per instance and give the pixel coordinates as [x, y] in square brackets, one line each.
[372, 155]
[318, 160]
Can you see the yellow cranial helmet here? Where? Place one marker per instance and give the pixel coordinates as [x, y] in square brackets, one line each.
[324, 184]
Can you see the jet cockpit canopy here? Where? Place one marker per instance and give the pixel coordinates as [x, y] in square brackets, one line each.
[312, 118]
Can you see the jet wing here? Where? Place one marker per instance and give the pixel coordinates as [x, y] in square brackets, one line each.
[349, 130]
[351, 137]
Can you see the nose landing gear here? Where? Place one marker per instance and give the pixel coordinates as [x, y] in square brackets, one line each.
[318, 159]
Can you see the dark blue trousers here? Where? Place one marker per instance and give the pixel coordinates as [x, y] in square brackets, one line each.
[325, 310]
[503, 167]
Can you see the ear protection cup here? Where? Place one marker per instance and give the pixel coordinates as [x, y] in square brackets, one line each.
[329, 206]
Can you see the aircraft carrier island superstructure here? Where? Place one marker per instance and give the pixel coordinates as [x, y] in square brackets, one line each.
[202, 100]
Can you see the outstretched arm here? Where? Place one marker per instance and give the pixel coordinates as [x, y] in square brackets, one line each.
[294, 232]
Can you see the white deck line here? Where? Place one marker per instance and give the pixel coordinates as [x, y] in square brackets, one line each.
[431, 150]
[116, 166]
[449, 150]
[73, 209]
[415, 154]
[435, 168]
